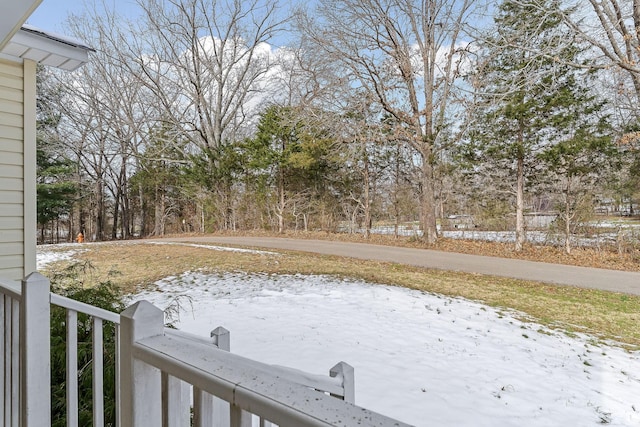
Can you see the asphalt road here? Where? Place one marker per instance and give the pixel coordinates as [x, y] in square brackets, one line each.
[595, 278]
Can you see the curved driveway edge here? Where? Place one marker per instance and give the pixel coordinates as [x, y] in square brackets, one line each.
[594, 278]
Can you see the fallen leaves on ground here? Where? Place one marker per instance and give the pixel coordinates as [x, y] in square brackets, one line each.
[606, 257]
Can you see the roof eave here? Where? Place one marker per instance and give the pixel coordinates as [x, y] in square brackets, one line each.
[43, 48]
[14, 14]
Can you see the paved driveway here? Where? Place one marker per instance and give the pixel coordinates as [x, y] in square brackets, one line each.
[610, 280]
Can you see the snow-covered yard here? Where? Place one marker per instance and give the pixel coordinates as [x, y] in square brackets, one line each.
[421, 358]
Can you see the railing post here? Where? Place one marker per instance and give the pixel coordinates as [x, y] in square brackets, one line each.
[221, 409]
[221, 338]
[35, 361]
[348, 380]
[141, 383]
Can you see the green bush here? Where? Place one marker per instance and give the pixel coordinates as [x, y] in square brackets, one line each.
[103, 295]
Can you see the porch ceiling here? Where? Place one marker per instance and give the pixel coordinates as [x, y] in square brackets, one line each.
[14, 14]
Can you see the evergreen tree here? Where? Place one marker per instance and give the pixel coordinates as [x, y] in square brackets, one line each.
[159, 181]
[529, 100]
[293, 160]
[270, 154]
[628, 183]
[56, 188]
[583, 151]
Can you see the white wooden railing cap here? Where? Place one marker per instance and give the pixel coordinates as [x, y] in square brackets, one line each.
[36, 277]
[146, 320]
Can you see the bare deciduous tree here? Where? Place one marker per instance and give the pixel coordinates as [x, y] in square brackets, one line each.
[614, 29]
[204, 61]
[107, 113]
[406, 54]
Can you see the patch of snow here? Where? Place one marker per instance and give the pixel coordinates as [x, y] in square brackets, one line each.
[422, 358]
[615, 224]
[47, 254]
[533, 236]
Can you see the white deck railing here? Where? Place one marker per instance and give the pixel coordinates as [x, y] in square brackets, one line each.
[10, 353]
[164, 377]
[25, 332]
[25, 353]
[98, 317]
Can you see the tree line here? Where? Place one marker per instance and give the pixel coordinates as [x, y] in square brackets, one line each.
[205, 115]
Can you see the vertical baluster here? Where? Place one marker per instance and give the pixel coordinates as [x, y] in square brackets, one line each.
[98, 374]
[176, 402]
[15, 363]
[117, 360]
[7, 361]
[3, 357]
[72, 368]
[202, 408]
[240, 418]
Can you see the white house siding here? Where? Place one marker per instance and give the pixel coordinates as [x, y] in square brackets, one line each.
[15, 196]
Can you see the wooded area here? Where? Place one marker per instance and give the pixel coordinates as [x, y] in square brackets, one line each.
[205, 115]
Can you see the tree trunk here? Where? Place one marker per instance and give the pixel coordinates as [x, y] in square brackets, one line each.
[567, 222]
[202, 217]
[100, 211]
[82, 219]
[520, 235]
[142, 206]
[367, 202]
[228, 212]
[116, 214]
[124, 200]
[281, 200]
[158, 229]
[396, 190]
[428, 212]
[127, 217]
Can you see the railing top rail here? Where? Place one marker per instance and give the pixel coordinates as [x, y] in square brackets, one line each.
[81, 307]
[188, 335]
[326, 383]
[14, 290]
[231, 378]
[11, 288]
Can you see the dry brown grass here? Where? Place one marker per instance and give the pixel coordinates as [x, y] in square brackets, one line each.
[606, 315]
